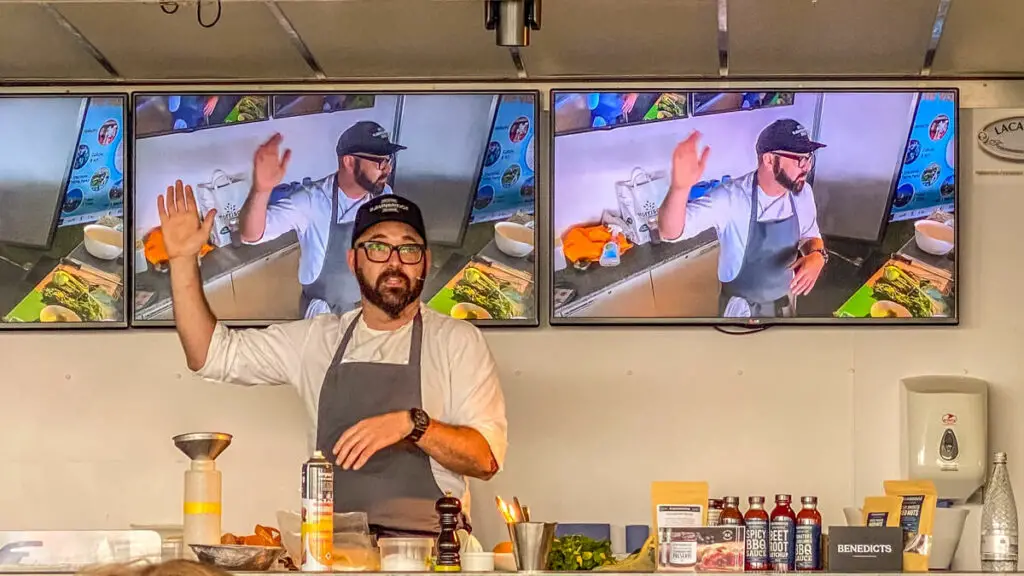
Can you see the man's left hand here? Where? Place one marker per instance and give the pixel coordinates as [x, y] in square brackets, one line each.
[805, 273]
[360, 442]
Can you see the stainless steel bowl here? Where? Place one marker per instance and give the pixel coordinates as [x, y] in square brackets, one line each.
[234, 557]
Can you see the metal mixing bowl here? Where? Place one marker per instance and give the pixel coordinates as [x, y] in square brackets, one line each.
[233, 557]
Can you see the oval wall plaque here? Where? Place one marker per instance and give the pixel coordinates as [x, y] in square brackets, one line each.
[1004, 138]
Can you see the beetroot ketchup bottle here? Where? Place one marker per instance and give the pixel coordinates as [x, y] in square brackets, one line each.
[782, 535]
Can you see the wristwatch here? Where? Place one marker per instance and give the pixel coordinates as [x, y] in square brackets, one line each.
[822, 251]
[420, 422]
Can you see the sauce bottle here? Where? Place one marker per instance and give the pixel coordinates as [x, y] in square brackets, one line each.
[714, 511]
[731, 515]
[756, 521]
[782, 535]
[808, 536]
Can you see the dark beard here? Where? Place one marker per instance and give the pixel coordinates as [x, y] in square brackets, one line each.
[391, 300]
[784, 180]
[365, 183]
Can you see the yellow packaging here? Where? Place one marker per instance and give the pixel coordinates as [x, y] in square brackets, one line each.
[917, 518]
[679, 504]
[881, 511]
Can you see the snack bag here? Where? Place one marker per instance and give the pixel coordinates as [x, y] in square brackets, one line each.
[917, 518]
[881, 511]
[676, 505]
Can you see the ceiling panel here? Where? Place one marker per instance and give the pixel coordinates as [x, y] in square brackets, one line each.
[400, 39]
[625, 38]
[141, 41]
[34, 46]
[981, 36]
[829, 37]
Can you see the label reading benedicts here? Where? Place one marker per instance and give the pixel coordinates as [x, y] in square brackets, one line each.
[808, 547]
[877, 519]
[757, 544]
[780, 544]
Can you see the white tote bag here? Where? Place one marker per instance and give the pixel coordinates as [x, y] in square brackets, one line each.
[225, 193]
[640, 198]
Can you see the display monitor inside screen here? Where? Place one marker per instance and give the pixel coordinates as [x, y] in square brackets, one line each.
[439, 153]
[658, 221]
[62, 198]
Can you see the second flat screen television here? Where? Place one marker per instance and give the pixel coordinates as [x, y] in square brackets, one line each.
[467, 159]
[754, 207]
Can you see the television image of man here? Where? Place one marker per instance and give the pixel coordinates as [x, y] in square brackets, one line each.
[772, 251]
[322, 212]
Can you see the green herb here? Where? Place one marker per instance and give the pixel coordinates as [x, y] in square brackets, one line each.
[579, 553]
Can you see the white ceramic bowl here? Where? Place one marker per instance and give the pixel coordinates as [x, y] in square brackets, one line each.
[887, 309]
[464, 310]
[55, 313]
[934, 237]
[477, 561]
[513, 239]
[505, 562]
[103, 242]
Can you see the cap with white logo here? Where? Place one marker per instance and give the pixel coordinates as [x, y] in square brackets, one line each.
[786, 135]
[388, 208]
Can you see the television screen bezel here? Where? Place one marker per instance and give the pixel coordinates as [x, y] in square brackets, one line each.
[313, 89]
[126, 268]
[754, 323]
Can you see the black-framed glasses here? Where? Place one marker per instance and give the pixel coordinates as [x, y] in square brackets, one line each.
[380, 252]
[381, 161]
[802, 160]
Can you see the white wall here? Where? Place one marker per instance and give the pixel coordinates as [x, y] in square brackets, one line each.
[595, 414]
[192, 157]
[587, 165]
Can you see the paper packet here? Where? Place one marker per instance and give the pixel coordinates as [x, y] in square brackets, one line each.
[881, 511]
[918, 499]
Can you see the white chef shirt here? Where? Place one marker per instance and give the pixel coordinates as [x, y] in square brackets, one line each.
[308, 213]
[726, 208]
[458, 379]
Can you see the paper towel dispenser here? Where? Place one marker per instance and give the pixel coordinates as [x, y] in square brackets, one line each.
[944, 433]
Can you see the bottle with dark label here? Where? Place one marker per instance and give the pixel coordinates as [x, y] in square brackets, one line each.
[731, 515]
[714, 511]
[782, 535]
[808, 536]
[756, 520]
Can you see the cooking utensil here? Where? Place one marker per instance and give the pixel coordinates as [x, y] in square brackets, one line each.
[531, 543]
[231, 557]
[520, 517]
[526, 513]
[505, 510]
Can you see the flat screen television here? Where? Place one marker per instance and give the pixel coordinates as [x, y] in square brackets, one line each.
[61, 211]
[467, 160]
[655, 218]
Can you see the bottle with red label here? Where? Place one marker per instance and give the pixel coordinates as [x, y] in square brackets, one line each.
[756, 520]
[808, 536]
[782, 535]
[731, 515]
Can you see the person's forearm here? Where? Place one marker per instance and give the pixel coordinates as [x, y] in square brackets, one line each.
[252, 221]
[812, 245]
[672, 215]
[193, 318]
[460, 449]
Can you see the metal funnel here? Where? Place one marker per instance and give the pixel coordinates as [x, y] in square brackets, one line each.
[202, 445]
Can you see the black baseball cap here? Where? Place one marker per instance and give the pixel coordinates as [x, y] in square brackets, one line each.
[388, 208]
[786, 135]
[366, 137]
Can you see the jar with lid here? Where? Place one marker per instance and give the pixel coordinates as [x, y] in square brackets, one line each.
[715, 507]
[731, 515]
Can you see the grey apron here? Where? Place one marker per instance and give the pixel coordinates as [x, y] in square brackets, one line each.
[764, 277]
[396, 487]
[335, 284]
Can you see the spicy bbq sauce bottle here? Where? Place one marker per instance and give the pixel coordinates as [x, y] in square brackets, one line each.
[808, 536]
[782, 535]
[756, 520]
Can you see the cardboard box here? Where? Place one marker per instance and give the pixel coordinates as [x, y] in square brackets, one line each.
[708, 549]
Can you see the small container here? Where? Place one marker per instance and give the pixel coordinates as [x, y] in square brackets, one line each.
[715, 507]
[652, 229]
[731, 515]
[756, 521]
[236, 233]
[782, 535]
[405, 554]
[478, 562]
[808, 536]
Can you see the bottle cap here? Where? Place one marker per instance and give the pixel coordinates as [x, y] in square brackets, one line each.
[783, 498]
[809, 499]
[318, 455]
[1000, 458]
[756, 499]
[732, 500]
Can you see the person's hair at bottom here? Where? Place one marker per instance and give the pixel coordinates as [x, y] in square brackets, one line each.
[169, 568]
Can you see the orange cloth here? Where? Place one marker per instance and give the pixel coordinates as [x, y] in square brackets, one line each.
[156, 253]
[586, 243]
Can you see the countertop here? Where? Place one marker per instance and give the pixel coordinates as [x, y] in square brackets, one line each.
[215, 265]
[636, 261]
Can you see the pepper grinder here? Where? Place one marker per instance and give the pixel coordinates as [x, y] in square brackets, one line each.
[448, 510]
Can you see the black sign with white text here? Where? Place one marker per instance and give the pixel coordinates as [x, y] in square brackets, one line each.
[865, 549]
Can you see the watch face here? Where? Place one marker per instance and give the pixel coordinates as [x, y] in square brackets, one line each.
[420, 418]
